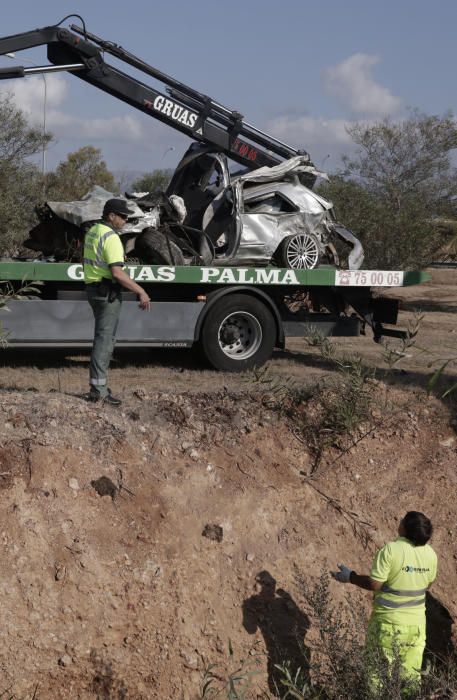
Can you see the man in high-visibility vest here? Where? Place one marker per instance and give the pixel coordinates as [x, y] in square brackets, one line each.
[401, 573]
[104, 278]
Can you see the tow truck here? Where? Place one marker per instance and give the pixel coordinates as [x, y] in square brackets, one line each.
[236, 314]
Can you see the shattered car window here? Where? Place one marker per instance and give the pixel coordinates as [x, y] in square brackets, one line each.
[271, 203]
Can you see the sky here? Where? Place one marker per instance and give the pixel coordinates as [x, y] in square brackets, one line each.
[302, 70]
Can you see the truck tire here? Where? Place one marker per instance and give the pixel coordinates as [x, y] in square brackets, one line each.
[155, 248]
[238, 333]
[299, 251]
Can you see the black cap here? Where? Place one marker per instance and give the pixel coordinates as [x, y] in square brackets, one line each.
[116, 206]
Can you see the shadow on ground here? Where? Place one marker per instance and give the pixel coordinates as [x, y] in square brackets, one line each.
[283, 625]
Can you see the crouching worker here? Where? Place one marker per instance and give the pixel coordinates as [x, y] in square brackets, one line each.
[401, 573]
[104, 278]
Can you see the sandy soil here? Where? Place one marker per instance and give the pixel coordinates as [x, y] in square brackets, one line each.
[137, 542]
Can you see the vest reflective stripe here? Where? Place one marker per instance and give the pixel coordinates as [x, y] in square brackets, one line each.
[98, 260]
[99, 263]
[396, 591]
[101, 240]
[393, 603]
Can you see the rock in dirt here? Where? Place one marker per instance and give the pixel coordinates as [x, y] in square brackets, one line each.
[59, 572]
[73, 484]
[213, 532]
[190, 660]
[448, 442]
[65, 660]
[105, 487]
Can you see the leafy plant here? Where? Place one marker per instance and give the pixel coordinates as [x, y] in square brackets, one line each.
[273, 390]
[439, 373]
[339, 405]
[231, 683]
[21, 182]
[78, 173]
[393, 354]
[297, 684]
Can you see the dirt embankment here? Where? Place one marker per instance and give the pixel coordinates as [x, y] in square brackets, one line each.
[131, 540]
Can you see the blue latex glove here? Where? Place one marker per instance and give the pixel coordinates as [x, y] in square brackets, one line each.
[343, 575]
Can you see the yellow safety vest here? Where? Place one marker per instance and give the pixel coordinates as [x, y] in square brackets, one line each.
[102, 248]
[406, 572]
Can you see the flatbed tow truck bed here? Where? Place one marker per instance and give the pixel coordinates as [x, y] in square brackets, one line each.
[237, 315]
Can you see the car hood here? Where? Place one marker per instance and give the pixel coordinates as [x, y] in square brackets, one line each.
[90, 207]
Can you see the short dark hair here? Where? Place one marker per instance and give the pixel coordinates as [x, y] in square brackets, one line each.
[418, 528]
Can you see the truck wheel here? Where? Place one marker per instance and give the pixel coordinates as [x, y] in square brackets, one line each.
[155, 248]
[299, 251]
[238, 333]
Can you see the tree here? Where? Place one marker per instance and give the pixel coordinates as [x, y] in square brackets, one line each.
[156, 181]
[78, 174]
[397, 184]
[20, 181]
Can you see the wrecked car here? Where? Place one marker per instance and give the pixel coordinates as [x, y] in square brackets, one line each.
[211, 216]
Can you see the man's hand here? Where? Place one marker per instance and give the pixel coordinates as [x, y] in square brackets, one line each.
[144, 301]
[343, 575]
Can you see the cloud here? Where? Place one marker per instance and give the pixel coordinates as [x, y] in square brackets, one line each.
[321, 138]
[304, 130]
[120, 128]
[352, 83]
[29, 94]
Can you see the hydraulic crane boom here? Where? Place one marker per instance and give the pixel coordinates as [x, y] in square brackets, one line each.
[182, 107]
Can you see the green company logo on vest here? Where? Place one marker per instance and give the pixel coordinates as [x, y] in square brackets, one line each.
[415, 569]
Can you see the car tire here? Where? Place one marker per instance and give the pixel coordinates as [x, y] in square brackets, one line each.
[238, 333]
[155, 248]
[300, 251]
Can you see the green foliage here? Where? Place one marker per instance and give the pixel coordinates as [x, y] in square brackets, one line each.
[156, 181]
[274, 392]
[296, 685]
[79, 173]
[232, 683]
[394, 353]
[399, 180]
[347, 403]
[21, 182]
[339, 404]
[438, 375]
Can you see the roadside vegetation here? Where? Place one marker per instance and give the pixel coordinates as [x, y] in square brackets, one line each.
[337, 668]
[398, 191]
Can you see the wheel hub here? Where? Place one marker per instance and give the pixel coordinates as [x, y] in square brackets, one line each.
[302, 251]
[230, 333]
[240, 335]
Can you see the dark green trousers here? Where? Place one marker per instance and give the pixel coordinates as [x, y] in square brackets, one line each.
[106, 315]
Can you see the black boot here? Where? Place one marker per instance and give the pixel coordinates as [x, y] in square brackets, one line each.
[111, 400]
[95, 397]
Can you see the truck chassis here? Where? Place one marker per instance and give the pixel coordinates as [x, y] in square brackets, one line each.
[237, 316]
